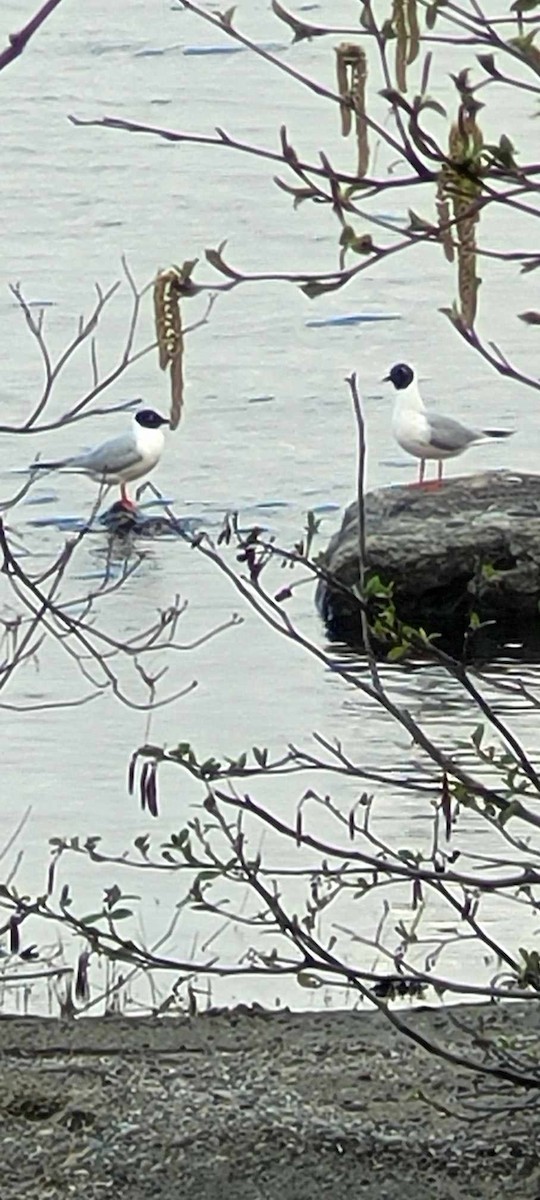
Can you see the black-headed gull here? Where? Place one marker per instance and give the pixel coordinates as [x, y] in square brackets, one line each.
[120, 459]
[426, 434]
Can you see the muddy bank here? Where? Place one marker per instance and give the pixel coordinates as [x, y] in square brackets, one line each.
[249, 1106]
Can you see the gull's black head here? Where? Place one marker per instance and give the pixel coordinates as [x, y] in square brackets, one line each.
[401, 376]
[150, 419]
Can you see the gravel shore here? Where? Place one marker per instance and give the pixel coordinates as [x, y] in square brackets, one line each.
[246, 1105]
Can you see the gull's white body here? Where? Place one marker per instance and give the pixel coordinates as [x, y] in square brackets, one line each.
[426, 434]
[122, 459]
[414, 428]
[118, 460]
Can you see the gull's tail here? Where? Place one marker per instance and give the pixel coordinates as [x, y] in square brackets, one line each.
[498, 433]
[50, 466]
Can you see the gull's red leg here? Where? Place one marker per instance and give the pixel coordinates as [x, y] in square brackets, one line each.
[125, 500]
[431, 483]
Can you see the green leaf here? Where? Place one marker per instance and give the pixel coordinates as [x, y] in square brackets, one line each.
[531, 317]
[180, 750]
[398, 652]
[487, 61]
[300, 30]
[210, 768]
[476, 737]
[260, 756]
[521, 6]
[432, 12]
[524, 42]
[179, 839]
[461, 793]
[120, 914]
[506, 150]
[374, 586]
[216, 260]
[300, 194]
[419, 225]
[188, 853]
[315, 288]
[433, 105]
[396, 99]
[511, 810]
[112, 895]
[226, 17]
[453, 315]
[307, 980]
[358, 243]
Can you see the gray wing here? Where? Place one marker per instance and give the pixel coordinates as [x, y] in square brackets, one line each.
[118, 454]
[450, 435]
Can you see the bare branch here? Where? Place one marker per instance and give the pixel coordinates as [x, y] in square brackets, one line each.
[18, 41]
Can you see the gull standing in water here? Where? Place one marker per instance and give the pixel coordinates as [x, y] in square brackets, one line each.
[121, 459]
[425, 434]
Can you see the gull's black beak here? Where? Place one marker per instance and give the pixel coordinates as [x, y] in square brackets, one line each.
[386, 379]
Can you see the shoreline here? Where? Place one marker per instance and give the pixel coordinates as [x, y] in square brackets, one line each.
[254, 1105]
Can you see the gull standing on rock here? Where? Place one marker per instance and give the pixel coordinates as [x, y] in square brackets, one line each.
[121, 459]
[426, 434]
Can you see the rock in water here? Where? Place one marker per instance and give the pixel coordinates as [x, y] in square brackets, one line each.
[126, 522]
[472, 545]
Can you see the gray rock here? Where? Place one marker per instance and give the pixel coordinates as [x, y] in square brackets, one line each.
[472, 544]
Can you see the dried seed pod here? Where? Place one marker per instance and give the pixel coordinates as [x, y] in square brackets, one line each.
[405, 26]
[131, 774]
[82, 989]
[443, 213]
[142, 784]
[151, 791]
[468, 281]
[352, 822]
[464, 192]
[177, 389]
[351, 63]
[414, 31]
[446, 806]
[168, 287]
[14, 938]
[343, 88]
[167, 315]
[51, 877]
[399, 22]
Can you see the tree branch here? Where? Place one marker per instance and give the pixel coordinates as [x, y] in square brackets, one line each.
[19, 41]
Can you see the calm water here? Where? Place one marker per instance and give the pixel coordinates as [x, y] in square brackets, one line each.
[73, 201]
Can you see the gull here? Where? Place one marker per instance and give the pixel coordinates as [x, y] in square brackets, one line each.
[120, 459]
[426, 434]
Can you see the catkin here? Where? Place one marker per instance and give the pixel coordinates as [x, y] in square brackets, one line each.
[463, 190]
[351, 66]
[169, 335]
